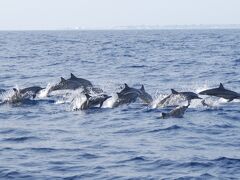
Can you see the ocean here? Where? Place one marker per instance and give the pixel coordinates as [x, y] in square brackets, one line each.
[47, 139]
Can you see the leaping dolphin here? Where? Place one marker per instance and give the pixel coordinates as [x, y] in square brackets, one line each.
[74, 83]
[144, 96]
[187, 95]
[17, 97]
[222, 93]
[126, 96]
[93, 101]
[65, 84]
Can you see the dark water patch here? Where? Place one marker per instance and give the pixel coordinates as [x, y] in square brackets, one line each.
[21, 139]
[237, 61]
[136, 66]
[170, 128]
[137, 159]
[200, 177]
[15, 175]
[194, 164]
[224, 126]
[52, 150]
[88, 156]
[159, 163]
[44, 150]
[129, 131]
[227, 162]
[82, 176]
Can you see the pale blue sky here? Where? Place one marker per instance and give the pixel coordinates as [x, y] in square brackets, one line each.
[61, 14]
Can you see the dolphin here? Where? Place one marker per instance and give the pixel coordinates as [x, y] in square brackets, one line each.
[66, 84]
[17, 97]
[126, 96]
[97, 100]
[74, 83]
[144, 96]
[222, 93]
[92, 101]
[187, 95]
[178, 112]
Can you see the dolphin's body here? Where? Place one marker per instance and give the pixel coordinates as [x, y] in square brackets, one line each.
[93, 101]
[178, 112]
[32, 91]
[66, 84]
[164, 100]
[97, 100]
[222, 93]
[23, 95]
[144, 96]
[74, 83]
[86, 84]
[186, 95]
[127, 96]
[17, 97]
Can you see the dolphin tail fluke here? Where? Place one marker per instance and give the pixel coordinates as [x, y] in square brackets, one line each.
[174, 91]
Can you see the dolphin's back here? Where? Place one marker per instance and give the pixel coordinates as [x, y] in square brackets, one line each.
[83, 82]
[33, 89]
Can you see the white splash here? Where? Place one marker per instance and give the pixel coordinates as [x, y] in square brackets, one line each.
[78, 101]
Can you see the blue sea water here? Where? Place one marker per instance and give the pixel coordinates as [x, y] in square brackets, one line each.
[48, 140]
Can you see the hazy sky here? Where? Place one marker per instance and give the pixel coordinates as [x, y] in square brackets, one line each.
[61, 14]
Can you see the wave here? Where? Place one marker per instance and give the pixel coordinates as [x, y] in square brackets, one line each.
[20, 139]
[170, 128]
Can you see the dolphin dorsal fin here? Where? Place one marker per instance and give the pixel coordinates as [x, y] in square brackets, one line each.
[62, 79]
[174, 91]
[142, 88]
[73, 76]
[88, 96]
[126, 86]
[221, 86]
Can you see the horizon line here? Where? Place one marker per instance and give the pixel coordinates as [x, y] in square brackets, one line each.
[135, 27]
